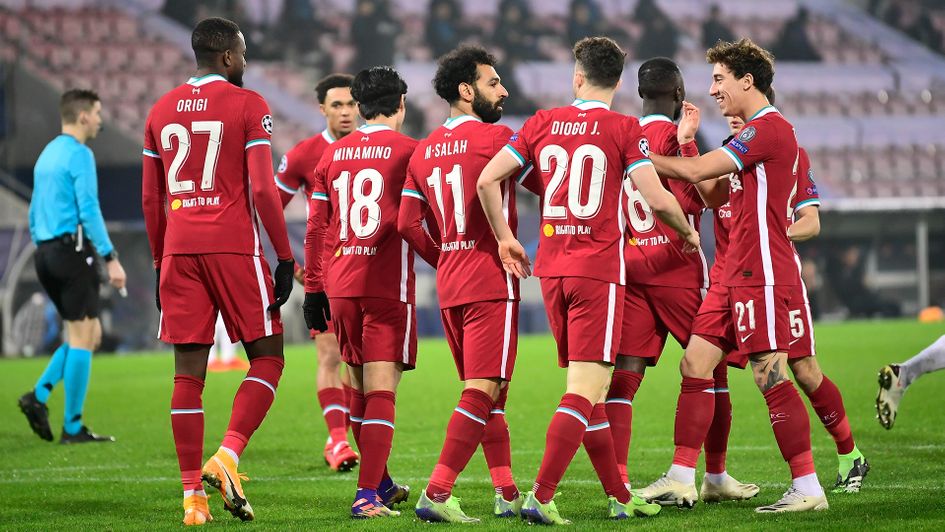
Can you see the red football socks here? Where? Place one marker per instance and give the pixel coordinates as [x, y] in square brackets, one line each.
[375, 438]
[716, 441]
[349, 394]
[828, 403]
[623, 387]
[332, 401]
[791, 427]
[564, 436]
[693, 417]
[187, 426]
[463, 435]
[496, 446]
[252, 401]
[599, 445]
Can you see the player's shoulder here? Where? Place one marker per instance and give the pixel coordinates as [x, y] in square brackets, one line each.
[404, 142]
[656, 124]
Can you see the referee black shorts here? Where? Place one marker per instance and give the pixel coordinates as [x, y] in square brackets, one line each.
[69, 277]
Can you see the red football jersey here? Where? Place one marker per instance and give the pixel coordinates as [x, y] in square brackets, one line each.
[443, 173]
[766, 154]
[654, 250]
[583, 152]
[201, 132]
[297, 168]
[359, 180]
[806, 194]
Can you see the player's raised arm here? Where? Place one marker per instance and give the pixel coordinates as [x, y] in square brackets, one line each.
[489, 187]
[413, 209]
[153, 197]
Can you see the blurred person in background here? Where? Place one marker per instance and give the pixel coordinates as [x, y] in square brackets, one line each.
[374, 34]
[517, 32]
[714, 30]
[847, 274]
[660, 36]
[793, 44]
[444, 27]
[67, 226]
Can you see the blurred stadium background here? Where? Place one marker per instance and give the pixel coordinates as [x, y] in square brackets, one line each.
[863, 81]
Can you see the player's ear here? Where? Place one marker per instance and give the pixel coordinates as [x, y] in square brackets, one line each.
[227, 58]
[619, 83]
[748, 80]
[466, 92]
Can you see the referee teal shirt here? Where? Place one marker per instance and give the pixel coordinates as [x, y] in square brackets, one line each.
[65, 194]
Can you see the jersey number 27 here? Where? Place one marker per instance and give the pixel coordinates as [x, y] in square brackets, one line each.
[213, 128]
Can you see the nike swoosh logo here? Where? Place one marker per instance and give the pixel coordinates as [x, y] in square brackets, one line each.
[747, 337]
[229, 480]
[794, 341]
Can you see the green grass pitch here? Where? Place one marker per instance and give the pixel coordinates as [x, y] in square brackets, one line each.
[134, 483]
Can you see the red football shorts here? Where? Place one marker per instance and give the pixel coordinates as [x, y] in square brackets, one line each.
[585, 316]
[371, 329]
[749, 319]
[194, 287]
[483, 337]
[800, 324]
[651, 313]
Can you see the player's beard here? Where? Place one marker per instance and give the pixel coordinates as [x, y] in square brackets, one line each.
[489, 112]
[236, 78]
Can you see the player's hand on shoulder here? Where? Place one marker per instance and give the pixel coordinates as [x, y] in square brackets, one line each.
[688, 124]
[283, 283]
[316, 311]
[514, 259]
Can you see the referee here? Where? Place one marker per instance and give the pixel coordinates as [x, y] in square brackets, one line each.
[67, 227]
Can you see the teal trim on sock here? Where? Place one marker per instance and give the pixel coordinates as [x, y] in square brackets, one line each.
[76, 380]
[52, 374]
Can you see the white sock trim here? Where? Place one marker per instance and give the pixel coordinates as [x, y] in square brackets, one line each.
[686, 475]
[808, 485]
[232, 453]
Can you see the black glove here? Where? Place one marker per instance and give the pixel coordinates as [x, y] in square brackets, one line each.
[157, 288]
[283, 282]
[316, 311]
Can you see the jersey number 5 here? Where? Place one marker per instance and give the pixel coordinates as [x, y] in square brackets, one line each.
[214, 129]
[364, 214]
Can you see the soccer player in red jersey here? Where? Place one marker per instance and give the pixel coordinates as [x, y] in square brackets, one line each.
[481, 318]
[823, 394]
[369, 268]
[760, 275]
[206, 177]
[297, 173]
[665, 286]
[584, 152]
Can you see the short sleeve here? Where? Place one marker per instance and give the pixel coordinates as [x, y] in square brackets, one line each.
[807, 194]
[319, 184]
[636, 147]
[289, 176]
[150, 146]
[518, 145]
[258, 121]
[756, 142]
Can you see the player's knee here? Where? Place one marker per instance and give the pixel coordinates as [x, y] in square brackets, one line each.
[693, 367]
[630, 363]
[489, 386]
[807, 373]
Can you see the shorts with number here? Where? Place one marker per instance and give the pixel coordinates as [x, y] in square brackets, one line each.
[653, 312]
[195, 287]
[800, 327]
[483, 337]
[371, 329]
[713, 322]
[585, 316]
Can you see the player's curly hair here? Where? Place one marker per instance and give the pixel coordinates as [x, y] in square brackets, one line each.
[601, 59]
[212, 36]
[459, 66]
[74, 101]
[378, 91]
[332, 81]
[744, 57]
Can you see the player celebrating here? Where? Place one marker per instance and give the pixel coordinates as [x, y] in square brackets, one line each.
[480, 319]
[894, 379]
[665, 286]
[370, 271]
[208, 254]
[760, 274]
[584, 153]
[297, 172]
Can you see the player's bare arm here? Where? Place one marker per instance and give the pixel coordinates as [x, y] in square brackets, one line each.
[664, 205]
[511, 253]
[806, 224]
[694, 169]
[688, 124]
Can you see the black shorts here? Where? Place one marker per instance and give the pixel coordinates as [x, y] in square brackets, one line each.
[69, 277]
